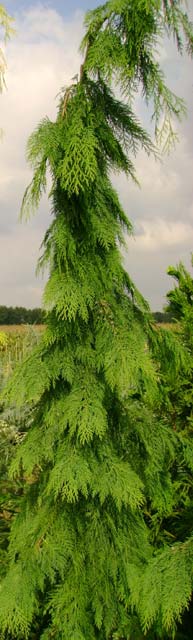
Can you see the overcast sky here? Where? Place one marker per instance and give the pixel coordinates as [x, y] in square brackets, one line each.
[43, 57]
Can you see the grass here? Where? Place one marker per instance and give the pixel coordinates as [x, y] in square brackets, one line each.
[21, 328]
[173, 326]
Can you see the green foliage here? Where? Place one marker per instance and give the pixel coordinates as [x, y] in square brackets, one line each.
[180, 305]
[180, 300]
[97, 464]
[3, 339]
[70, 146]
[14, 347]
[13, 425]
[121, 43]
[171, 574]
[170, 571]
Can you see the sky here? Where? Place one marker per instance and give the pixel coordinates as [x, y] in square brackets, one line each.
[42, 57]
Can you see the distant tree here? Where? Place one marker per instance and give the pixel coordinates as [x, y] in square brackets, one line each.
[21, 315]
[3, 314]
[163, 316]
[85, 561]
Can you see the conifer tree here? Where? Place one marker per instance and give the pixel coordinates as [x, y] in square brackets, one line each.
[180, 305]
[97, 458]
[174, 563]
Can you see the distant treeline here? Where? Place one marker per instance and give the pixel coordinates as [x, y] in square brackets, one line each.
[20, 315]
[162, 316]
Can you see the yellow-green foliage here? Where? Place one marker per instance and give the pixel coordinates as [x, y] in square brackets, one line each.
[15, 343]
[3, 339]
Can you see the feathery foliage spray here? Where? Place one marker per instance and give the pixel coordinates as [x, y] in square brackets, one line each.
[96, 458]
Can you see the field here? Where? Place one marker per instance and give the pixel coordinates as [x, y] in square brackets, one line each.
[21, 328]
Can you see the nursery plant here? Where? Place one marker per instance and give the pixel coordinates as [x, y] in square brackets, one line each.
[97, 460]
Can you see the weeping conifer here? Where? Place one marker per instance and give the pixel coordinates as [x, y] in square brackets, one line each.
[97, 457]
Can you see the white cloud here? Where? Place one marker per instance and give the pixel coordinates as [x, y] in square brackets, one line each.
[154, 235]
[41, 58]
[19, 255]
[39, 23]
